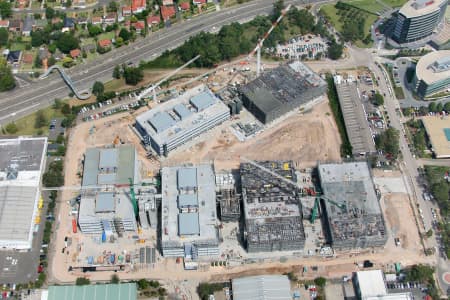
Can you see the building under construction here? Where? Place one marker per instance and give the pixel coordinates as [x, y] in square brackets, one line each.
[353, 217]
[281, 90]
[272, 209]
[227, 197]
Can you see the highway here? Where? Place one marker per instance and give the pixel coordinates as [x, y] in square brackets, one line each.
[20, 102]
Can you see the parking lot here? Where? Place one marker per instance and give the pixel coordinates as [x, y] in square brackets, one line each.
[302, 47]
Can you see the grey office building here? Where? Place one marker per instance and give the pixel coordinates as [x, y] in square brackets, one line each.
[188, 212]
[281, 90]
[172, 124]
[418, 19]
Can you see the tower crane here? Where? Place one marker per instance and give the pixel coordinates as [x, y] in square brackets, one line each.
[153, 87]
[318, 195]
[261, 41]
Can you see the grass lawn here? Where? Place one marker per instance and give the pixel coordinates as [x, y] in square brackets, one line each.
[331, 14]
[368, 5]
[394, 3]
[25, 125]
[106, 35]
[115, 85]
[17, 46]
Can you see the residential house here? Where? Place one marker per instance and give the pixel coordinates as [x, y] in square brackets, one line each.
[75, 53]
[14, 57]
[185, 6]
[153, 20]
[138, 26]
[4, 23]
[27, 58]
[82, 20]
[167, 2]
[105, 44]
[68, 24]
[198, 2]
[110, 18]
[28, 25]
[15, 25]
[126, 11]
[96, 20]
[138, 6]
[167, 12]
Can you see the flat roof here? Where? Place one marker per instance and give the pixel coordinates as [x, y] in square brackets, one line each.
[416, 8]
[186, 178]
[104, 202]
[202, 101]
[393, 296]
[371, 283]
[122, 291]
[170, 126]
[109, 165]
[263, 287]
[188, 224]
[438, 130]
[425, 70]
[284, 85]
[21, 166]
[206, 195]
[186, 200]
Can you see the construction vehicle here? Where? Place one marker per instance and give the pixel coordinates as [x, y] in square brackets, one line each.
[261, 41]
[315, 210]
[133, 198]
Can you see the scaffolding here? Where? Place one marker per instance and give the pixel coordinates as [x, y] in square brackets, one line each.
[272, 209]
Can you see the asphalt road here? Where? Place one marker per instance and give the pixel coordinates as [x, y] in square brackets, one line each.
[20, 102]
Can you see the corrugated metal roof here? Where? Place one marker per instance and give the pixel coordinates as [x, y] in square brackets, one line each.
[123, 291]
[182, 111]
[104, 202]
[91, 159]
[187, 178]
[108, 158]
[161, 121]
[202, 101]
[262, 287]
[185, 200]
[188, 224]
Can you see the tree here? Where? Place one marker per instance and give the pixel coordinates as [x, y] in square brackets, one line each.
[133, 75]
[94, 30]
[41, 119]
[378, 99]
[7, 81]
[38, 37]
[439, 107]
[124, 34]
[68, 62]
[112, 6]
[66, 109]
[320, 281]
[277, 9]
[11, 128]
[119, 41]
[5, 9]
[335, 50]
[37, 62]
[67, 42]
[116, 72]
[82, 281]
[3, 36]
[115, 279]
[49, 13]
[447, 107]
[142, 284]
[54, 176]
[98, 88]
[432, 107]
[51, 61]
[388, 142]
[68, 3]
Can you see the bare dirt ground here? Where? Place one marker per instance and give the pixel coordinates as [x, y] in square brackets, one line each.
[304, 138]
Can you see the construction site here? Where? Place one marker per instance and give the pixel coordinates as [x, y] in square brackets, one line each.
[272, 208]
[352, 212]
